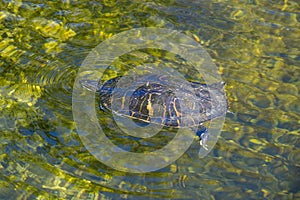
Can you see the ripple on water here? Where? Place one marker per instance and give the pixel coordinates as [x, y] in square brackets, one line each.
[255, 42]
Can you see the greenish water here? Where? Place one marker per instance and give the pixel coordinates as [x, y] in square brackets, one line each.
[255, 45]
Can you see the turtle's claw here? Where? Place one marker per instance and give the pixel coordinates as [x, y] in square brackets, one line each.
[203, 139]
[203, 144]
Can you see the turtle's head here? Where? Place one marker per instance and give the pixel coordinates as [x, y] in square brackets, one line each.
[218, 99]
[217, 86]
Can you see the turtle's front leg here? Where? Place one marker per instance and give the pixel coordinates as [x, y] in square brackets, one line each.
[202, 133]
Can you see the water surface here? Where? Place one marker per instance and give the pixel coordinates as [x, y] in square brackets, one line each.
[255, 45]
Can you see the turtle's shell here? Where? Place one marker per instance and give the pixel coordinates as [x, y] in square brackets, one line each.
[169, 104]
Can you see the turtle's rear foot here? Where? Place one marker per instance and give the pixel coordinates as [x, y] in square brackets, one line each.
[203, 134]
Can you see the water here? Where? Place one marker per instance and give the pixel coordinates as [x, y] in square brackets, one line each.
[255, 45]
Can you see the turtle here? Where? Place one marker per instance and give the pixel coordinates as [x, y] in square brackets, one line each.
[201, 106]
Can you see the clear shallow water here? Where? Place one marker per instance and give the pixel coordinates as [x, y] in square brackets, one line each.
[253, 43]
